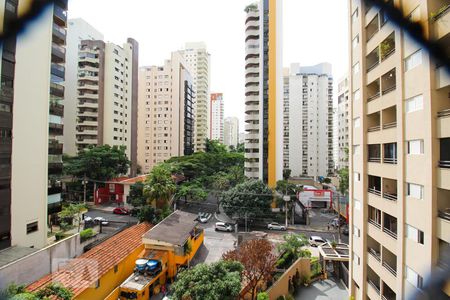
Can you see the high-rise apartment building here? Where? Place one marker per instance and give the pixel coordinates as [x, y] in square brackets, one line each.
[216, 118]
[341, 120]
[77, 30]
[308, 121]
[263, 92]
[231, 131]
[399, 151]
[31, 124]
[107, 96]
[197, 60]
[166, 114]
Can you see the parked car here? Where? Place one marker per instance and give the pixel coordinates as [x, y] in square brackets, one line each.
[275, 226]
[204, 217]
[220, 226]
[121, 211]
[103, 221]
[315, 240]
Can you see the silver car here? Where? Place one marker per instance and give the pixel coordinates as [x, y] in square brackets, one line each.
[220, 226]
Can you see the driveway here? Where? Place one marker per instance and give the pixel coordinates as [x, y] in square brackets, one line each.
[324, 290]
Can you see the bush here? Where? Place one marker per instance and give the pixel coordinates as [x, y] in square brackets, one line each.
[289, 297]
[86, 234]
[281, 298]
[262, 296]
[146, 213]
[59, 236]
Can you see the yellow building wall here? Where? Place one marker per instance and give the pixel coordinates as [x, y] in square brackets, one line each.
[111, 280]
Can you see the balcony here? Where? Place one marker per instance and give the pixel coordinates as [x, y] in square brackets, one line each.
[58, 53]
[374, 217]
[390, 225]
[59, 34]
[390, 261]
[55, 148]
[56, 109]
[374, 153]
[58, 70]
[441, 21]
[5, 171]
[390, 189]
[373, 90]
[390, 153]
[444, 159]
[373, 122]
[388, 293]
[374, 185]
[387, 47]
[56, 90]
[59, 15]
[372, 60]
[373, 248]
[372, 28]
[55, 129]
[6, 94]
[388, 82]
[390, 117]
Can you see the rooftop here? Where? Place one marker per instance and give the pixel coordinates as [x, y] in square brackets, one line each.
[339, 253]
[175, 229]
[81, 272]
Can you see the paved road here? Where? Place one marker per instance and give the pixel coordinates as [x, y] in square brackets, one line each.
[110, 216]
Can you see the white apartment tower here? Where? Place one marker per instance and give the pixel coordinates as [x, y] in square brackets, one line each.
[309, 127]
[231, 131]
[399, 151]
[341, 117]
[77, 30]
[166, 114]
[31, 123]
[216, 118]
[107, 96]
[197, 61]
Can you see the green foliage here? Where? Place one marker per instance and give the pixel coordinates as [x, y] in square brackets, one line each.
[343, 180]
[159, 185]
[99, 163]
[59, 235]
[51, 291]
[220, 280]
[286, 174]
[327, 180]
[293, 244]
[262, 296]
[286, 188]
[316, 267]
[136, 197]
[146, 214]
[252, 197]
[86, 234]
[214, 146]
[289, 297]
[71, 210]
[191, 191]
[54, 289]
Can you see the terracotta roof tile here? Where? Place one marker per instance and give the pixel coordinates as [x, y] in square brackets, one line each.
[83, 271]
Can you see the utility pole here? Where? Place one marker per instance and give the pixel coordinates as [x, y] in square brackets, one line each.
[84, 192]
[286, 199]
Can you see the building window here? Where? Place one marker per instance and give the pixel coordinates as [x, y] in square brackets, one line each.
[356, 259]
[356, 69]
[356, 231]
[97, 284]
[356, 95]
[357, 204]
[415, 147]
[414, 16]
[415, 190]
[414, 234]
[413, 278]
[356, 176]
[32, 227]
[356, 149]
[355, 15]
[355, 41]
[413, 60]
[414, 104]
[357, 122]
[116, 268]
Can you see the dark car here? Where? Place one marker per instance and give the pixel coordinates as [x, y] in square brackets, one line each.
[121, 211]
[345, 231]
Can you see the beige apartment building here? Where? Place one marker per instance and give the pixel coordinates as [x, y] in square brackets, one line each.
[31, 124]
[197, 61]
[166, 114]
[399, 131]
[341, 119]
[107, 96]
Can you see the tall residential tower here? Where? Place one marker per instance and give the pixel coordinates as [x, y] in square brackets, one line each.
[216, 118]
[400, 151]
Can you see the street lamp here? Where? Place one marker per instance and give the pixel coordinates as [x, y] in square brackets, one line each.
[84, 192]
[286, 199]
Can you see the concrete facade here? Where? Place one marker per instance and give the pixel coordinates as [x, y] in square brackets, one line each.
[197, 60]
[216, 117]
[399, 151]
[77, 30]
[341, 119]
[309, 108]
[166, 115]
[231, 131]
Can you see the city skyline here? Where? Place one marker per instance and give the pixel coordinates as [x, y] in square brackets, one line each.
[227, 63]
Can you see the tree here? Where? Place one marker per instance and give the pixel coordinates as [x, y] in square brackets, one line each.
[159, 185]
[98, 163]
[215, 146]
[293, 244]
[263, 296]
[73, 211]
[136, 196]
[286, 174]
[220, 280]
[240, 148]
[251, 199]
[51, 291]
[258, 260]
[236, 175]
[343, 190]
[146, 214]
[188, 250]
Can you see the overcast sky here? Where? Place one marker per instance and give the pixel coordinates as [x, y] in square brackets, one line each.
[314, 31]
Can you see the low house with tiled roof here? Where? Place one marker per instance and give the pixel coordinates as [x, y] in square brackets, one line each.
[116, 190]
[96, 273]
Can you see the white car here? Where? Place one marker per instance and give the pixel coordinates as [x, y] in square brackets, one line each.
[315, 240]
[275, 226]
[103, 221]
[204, 217]
[220, 226]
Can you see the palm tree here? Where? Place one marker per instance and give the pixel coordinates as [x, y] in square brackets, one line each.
[159, 185]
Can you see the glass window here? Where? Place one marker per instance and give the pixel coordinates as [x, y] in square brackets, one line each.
[356, 69]
[356, 231]
[415, 147]
[413, 104]
[414, 234]
[357, 122]
[355, 41]
[356, 149]
[413, 60]
[414, 16]
[356, 259]
[355, 15]
[356, 95]
[357, 204]
[413, 278]
[415, 190]
[356, 176]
